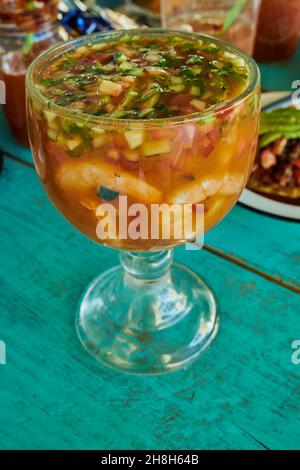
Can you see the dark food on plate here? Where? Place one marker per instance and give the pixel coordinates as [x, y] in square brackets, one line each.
[277, 167]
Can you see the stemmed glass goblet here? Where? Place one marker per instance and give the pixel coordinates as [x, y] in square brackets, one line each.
[106, 173]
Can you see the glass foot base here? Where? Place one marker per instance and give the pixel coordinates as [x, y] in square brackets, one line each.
[147, 326]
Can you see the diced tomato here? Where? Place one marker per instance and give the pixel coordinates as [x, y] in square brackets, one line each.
[180, 100]
[206, 147]
[297, 163]
[119, 140]
[103, 58]
[163, 133]
[214, 134]
[188, 110]
[226, 114]
[203, 129]
[206, 138]
[297, 175]
[128, 165]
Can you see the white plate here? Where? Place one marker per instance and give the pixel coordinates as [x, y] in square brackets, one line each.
[259, 202]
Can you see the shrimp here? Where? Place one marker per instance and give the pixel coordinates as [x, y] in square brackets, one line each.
[198, 190]
[84, 176]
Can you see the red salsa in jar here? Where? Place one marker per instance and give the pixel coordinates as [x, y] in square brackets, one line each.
[26, 29]
[278, 30]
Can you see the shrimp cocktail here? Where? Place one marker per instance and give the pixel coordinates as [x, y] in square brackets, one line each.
[144, 141]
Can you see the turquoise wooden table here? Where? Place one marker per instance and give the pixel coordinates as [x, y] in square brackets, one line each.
[242, 394]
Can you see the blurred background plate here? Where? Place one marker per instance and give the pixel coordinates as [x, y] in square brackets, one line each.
[263, 203]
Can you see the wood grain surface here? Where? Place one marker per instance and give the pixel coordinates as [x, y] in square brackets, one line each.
[242, 394]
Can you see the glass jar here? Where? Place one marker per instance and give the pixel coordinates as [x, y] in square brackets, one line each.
[278, 30]
[230, 20]
[26, 29]
[147, 10]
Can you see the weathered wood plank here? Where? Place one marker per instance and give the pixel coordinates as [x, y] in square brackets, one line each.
[243, 393]
[261, 242]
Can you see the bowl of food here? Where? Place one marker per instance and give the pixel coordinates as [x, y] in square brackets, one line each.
[274, 184]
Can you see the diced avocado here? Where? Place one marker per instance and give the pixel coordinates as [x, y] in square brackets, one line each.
[156, 147]
[99, 141]
[196, 69]
[135, 72]
[124, 66]
[195, 91]
[81, 50]
[108, 67]
[217, 64]
[239, 62]
[206, 94]
[50, 117]
[73, 143]
[153, 57]
[96, 131]
[110, 88]
[98, 47]
[134, 138]
[177, 88]
[228, 55]
[52, 134]
[176, 80]
[200, 105]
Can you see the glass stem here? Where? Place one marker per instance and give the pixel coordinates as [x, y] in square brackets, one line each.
[147, 266]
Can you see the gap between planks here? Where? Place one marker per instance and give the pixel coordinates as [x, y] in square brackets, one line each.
[243, 264]
[230, 257]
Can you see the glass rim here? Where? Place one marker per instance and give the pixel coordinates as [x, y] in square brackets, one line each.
[55, 51]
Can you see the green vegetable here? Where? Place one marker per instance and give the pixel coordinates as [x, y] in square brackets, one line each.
[146, 113]
[52, 134]
[268, 139]
[149, 95]
[188, 46]
[233, 14]
[196, 59]
[280, 123]
[190, 76]
[69, 98]
[49, 82]
[136, 72]
[207, 120]
[29, 41]
[31, 5]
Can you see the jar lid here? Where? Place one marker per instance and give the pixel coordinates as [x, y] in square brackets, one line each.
[27, 15]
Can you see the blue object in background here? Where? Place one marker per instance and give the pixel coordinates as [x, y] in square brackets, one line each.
[82, 23]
